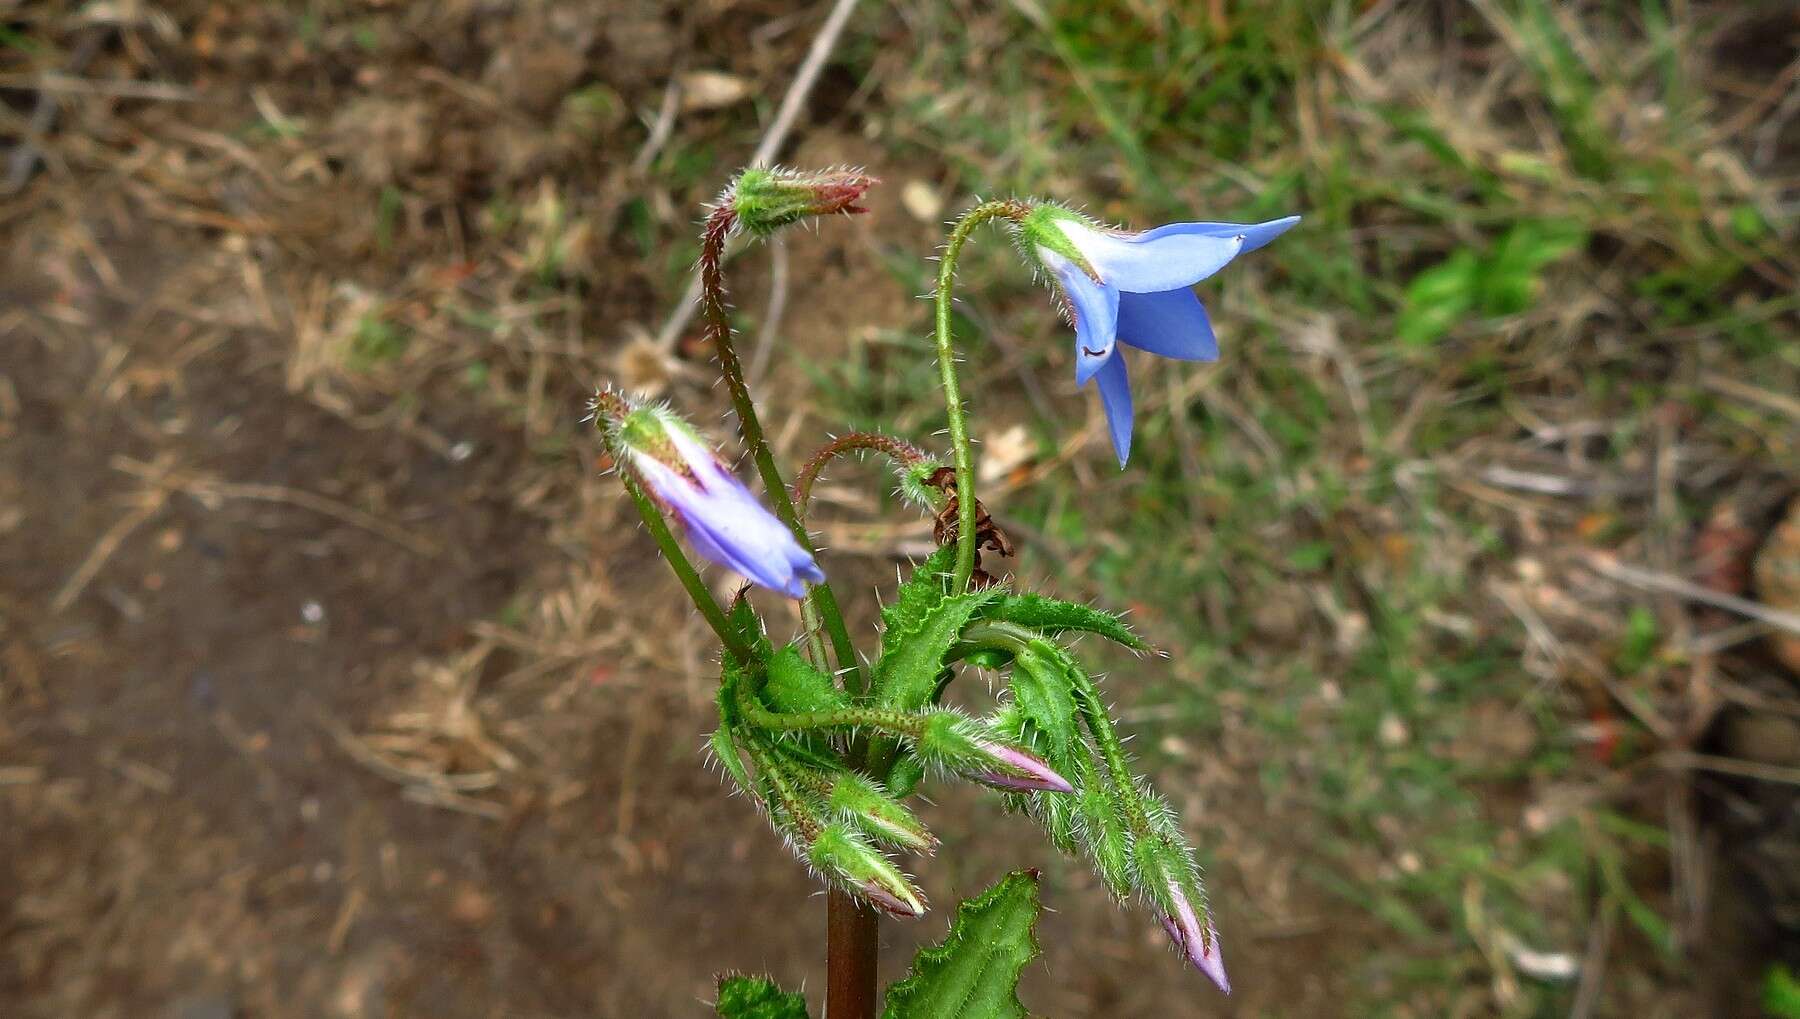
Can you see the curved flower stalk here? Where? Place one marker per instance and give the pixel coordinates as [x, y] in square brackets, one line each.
[684, 477]
[1134, 288]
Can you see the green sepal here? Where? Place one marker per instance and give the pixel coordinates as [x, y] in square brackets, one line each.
[1106, 837]
[757, 998]
[1052, 616]
[906, 774]
[877, 814]
[725, 749]
[793, 684]
[743, 619]
[974, 973]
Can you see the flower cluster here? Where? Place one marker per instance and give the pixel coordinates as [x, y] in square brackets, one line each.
[830, 743]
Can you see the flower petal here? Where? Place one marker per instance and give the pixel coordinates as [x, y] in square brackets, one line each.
[1157, 260]
[1170, 323]
[1096, 310]
[1115, 399]
[1255, 234]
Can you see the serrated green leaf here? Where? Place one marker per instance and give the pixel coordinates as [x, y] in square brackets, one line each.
[1051, 616]
[793, 684]
[1438, 298]
[906, 677]
[974, 973]
[757, 998]
[928, 585]
[1042, 690]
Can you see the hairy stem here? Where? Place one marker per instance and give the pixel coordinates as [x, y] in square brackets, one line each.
[893, 723]
[953, 403]
[684, 570]
[718, 325]
[899, 450]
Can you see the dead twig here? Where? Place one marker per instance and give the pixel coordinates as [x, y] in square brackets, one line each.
[1663, 583]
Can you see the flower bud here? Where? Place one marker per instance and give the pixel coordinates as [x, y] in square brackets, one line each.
[973, 751]
[1167, 877]
[847, 858]
[880, 816]
[680, 472]
[764, 201]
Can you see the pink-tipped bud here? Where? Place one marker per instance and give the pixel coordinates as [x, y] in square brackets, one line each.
[846, 857]
[1198, 941]
[1018, 771]
[763, 201]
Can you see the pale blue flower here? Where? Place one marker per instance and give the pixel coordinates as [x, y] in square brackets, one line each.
[1135, 289]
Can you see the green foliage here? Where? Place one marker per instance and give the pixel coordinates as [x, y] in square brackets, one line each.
[1503, 282]
[793, 684]
[1052, 616]
[929, 583]
[725, 750]
[1045, 698]
[906, 677]
[974, 973]
[1781, 993]
[757, 998]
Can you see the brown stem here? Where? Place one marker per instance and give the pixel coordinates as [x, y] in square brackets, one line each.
[901, 451]
[853, 936]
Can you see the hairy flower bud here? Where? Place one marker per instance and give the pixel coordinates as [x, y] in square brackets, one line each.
[763, 201]
[844, 856]
[1167, 878]
[975, 752]
[686, 479]
[882, 817]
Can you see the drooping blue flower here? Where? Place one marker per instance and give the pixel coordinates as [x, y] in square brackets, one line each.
[724, 523]
[1135, 289]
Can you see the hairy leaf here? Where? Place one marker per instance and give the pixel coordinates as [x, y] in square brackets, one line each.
[927, 586]
[724, 747]
[974, 974]
[1051, 616]
[906, 677]
[757, 998]
[1045, 697]
[795, 685]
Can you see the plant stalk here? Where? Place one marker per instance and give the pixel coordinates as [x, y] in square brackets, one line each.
[852, 944]
[718, 324]
[946, 354]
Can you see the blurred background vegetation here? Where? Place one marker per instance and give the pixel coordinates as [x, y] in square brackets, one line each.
[337, 682]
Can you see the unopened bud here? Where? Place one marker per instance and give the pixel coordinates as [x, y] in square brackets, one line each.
[880, 816]
[764, 201]
[974, 751]
[684, 476]
[847, 858]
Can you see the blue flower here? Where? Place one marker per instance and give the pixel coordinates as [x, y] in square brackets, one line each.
[723, 521]
[1134, 288]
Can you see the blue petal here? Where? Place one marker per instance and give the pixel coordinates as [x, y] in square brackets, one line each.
[1115, 400]
[1096, 310]
[1171, 323]
[1162, 259]
[1255, 234]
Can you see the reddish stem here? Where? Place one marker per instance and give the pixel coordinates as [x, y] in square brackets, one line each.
[899, 450]
[853, 938]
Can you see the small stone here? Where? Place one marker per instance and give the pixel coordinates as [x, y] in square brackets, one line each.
[712, 90]
[470, 905]
[1393, 732]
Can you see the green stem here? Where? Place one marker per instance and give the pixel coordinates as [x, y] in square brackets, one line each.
[946, 355]
[712, 306]
[684, 570]
[893, 723]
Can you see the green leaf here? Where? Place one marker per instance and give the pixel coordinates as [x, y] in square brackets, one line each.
[1512, 276]
[928, 585]
[757, 998]
[906, 677]
[1045, 696]
[1781, 993]
[794, 685]
[974, 974]
[1051, 616]
[724, 747]
[1437, 299]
